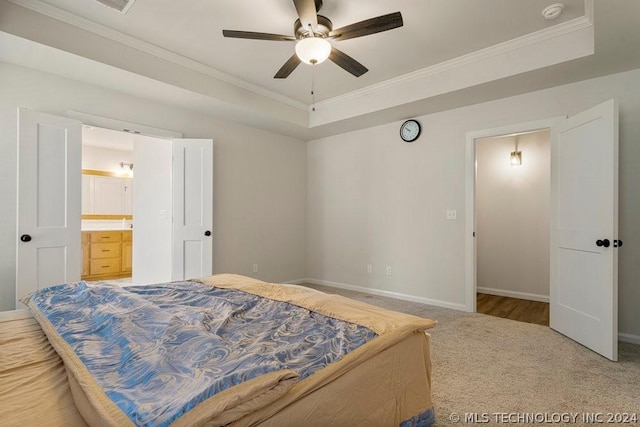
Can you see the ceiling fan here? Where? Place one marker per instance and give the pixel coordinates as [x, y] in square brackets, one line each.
[312, 33]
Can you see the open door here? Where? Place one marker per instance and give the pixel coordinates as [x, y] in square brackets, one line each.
[152, 192]
[584, 229]
[49, 182]
[192, 208]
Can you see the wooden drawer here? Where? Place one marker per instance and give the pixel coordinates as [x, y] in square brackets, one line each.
[105, 250]
[127, 256]
[105, 236]
[105, 266]
[106, 254]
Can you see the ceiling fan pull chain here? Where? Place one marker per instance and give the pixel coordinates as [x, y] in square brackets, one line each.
[313, 87]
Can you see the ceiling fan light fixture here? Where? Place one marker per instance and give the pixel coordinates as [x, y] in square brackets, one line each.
[313, 50]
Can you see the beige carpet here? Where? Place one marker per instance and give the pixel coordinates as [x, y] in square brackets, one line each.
[490, 365]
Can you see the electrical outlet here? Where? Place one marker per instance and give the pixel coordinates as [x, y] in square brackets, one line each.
[389, 271]
[369, 269]
[255, 268]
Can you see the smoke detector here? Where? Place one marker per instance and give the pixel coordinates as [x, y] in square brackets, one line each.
[553, 11]
[119, 5]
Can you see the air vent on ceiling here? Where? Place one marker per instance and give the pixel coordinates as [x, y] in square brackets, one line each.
[119, 5]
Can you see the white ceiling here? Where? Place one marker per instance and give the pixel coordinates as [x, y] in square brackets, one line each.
[449, 53]
[434, 31]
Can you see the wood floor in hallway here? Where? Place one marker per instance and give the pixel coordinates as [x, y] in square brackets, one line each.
[514, 309]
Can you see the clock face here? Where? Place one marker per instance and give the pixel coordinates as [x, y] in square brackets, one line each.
[410, 130]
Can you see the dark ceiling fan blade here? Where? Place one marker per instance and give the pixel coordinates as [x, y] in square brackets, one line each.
[368, 26]
[348, 63]
[256, 36]
[307, 12]
[288, 67]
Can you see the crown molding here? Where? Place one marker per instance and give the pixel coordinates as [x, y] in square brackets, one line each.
[537, 37]
[157, 51]
[588, 9]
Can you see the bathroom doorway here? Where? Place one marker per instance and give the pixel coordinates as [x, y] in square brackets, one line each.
[126, 206]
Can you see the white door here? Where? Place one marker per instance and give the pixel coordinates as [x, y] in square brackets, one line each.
[192, 208]
[49, 188]
[128, 196]
[152, 211]
[584, 229]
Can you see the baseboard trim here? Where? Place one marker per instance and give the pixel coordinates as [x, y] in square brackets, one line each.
[632, 339]
[295, 282]
[382, 293]
[514, 294]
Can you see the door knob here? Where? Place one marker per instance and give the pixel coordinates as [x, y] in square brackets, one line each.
[25, 238]
[617, 243]
[606, 243]
[207, 233]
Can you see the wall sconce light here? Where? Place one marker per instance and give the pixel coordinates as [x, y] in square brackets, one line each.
[127, 169]
[516, 156]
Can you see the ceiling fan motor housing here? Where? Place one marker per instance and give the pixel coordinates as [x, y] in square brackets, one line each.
[324, 28]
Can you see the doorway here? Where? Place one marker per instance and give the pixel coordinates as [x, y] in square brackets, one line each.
[471, 266]
[584, 241]
[49, 188]
[512, 225]
[126, 192]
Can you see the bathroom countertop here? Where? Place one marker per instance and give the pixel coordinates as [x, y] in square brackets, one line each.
[107, 229]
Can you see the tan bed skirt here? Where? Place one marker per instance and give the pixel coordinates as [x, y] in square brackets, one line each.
[379, 392]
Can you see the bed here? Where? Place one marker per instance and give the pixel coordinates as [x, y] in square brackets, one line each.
[368, 366]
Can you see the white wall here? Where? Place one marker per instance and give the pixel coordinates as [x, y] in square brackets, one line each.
[104, 159]
[259, 177]
[512, 216]
[372, 199]
[152, 210]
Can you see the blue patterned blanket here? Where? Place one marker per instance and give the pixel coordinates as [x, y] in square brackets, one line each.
[157, 351]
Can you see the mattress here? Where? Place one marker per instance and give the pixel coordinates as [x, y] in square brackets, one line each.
[385, 381]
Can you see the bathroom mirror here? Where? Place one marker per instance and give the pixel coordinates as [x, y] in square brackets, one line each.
[106, 195]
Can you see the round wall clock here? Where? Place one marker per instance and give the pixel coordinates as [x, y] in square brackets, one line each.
[410, 130]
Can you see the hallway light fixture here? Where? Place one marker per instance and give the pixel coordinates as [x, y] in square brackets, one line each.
[516, 156]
